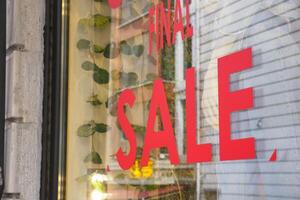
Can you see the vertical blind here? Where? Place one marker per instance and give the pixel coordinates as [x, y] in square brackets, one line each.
[272, 29]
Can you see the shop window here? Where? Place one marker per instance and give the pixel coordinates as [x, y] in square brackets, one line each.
[108, 54]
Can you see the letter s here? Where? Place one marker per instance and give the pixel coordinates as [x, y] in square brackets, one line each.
[126, 161]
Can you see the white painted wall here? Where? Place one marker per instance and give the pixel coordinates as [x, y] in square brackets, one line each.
[25, 24]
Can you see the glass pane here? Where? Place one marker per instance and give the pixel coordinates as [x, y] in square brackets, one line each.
[108, 53]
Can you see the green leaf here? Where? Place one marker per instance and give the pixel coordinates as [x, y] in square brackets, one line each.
[99, 21]
[93, 157]
[101, 128]
[89, 66]
[83, 44]
[86, 130]
[125, 48]
[132, 79]
[97, 49]
[101, 76]
[93, 100]
[83, 22]
[132, 76]
[138, 50]
[129, 79]
[111, 51]
[139, 129]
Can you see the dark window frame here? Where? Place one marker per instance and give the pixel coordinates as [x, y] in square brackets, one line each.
[54, 103]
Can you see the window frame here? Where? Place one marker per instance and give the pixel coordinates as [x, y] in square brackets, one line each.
[54, 108]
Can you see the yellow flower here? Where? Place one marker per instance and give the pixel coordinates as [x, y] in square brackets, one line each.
[144, 172]
[135, 170]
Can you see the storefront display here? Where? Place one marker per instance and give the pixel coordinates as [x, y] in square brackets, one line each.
[148, 74]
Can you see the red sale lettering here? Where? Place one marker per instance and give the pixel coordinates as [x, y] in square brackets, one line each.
[178, 22]
[230, 149]
[160, 23]
[126, 161]
[234, 101]
[114, 3]
[157, 28]
[165, 24]
[195, 152]
[165, 138]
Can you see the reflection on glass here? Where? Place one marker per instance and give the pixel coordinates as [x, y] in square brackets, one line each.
[108, 53]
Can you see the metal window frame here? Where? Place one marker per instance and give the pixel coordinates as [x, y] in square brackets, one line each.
[2, 86]
[54, 103]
